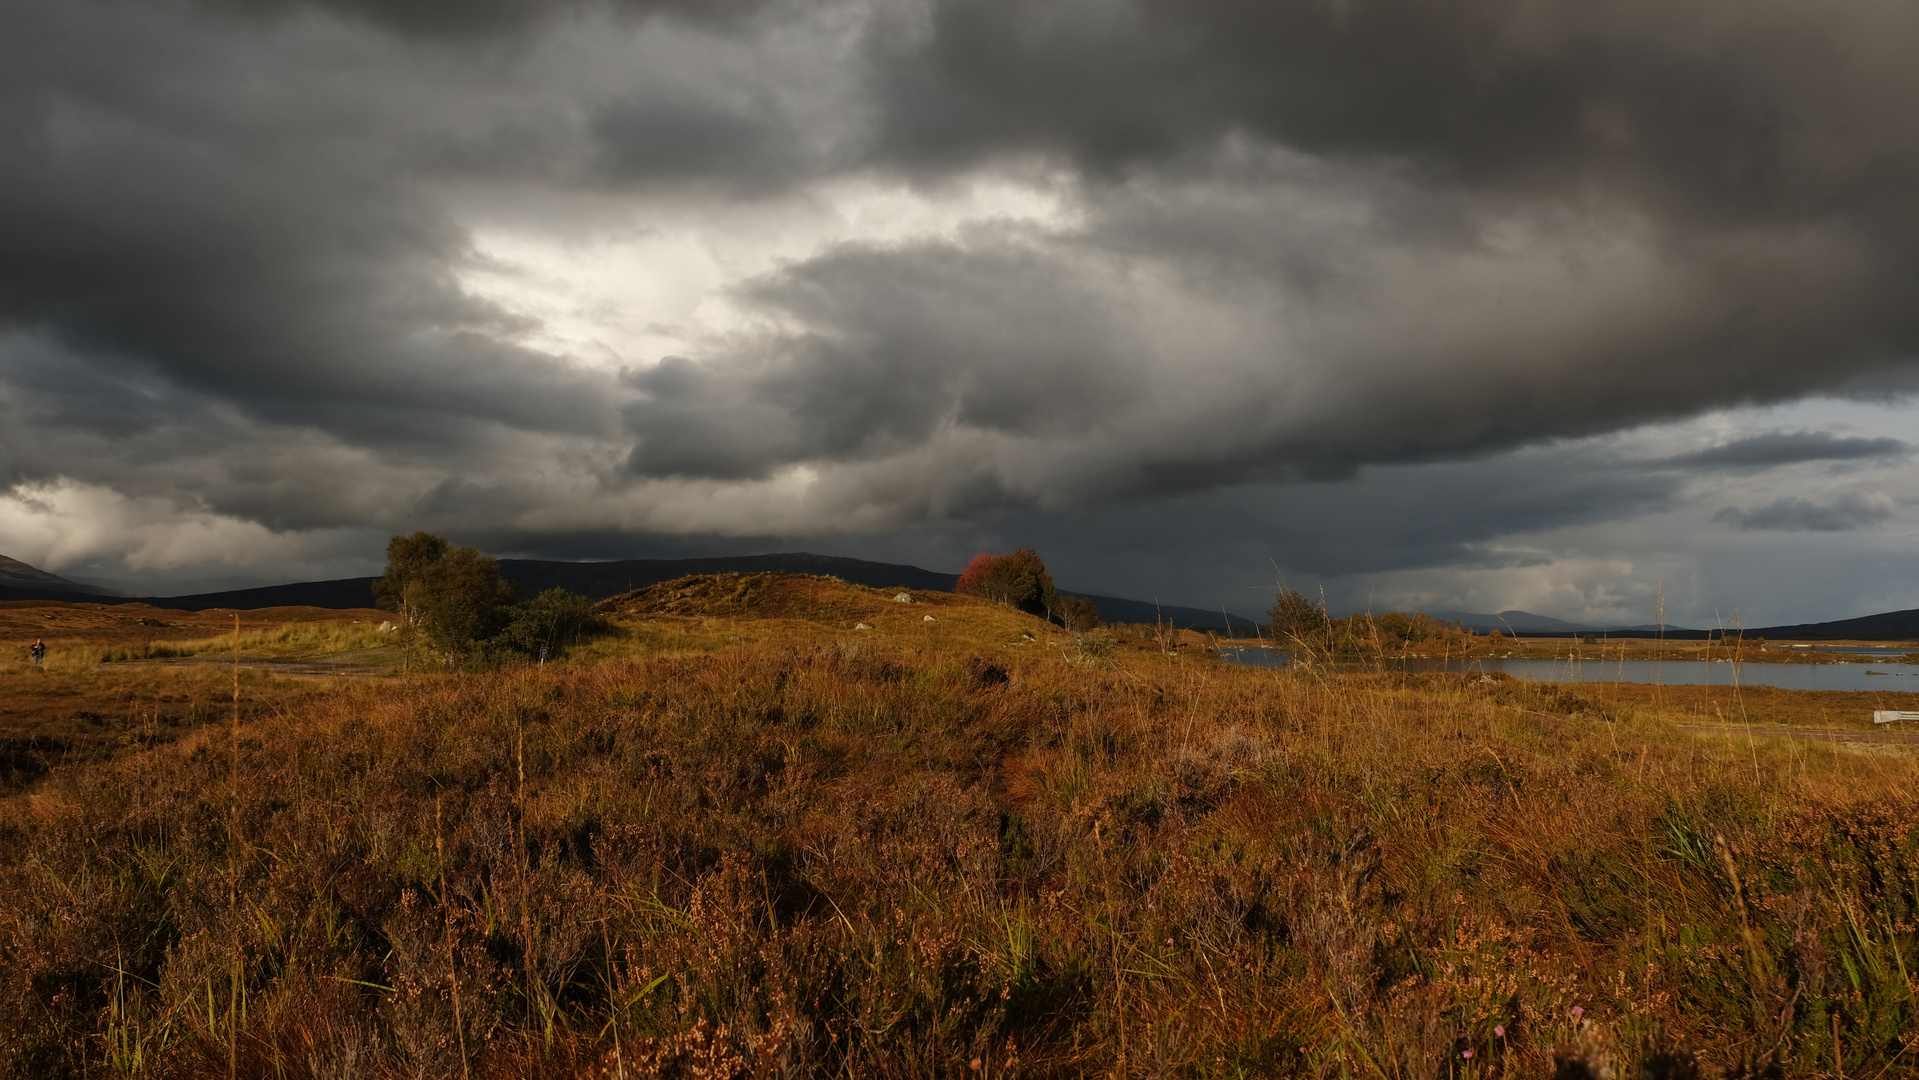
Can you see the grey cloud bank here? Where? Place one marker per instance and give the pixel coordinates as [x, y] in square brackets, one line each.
[1381, 291]
[1853, 510]
[1792, 447]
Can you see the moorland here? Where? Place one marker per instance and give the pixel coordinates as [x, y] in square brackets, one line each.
[737, 834]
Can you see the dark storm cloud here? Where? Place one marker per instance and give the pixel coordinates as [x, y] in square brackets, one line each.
[306, 288]
[1791, 448]
[1179, 367]
[995, 339]
[1441, 515]
[1853, 510]
[1226, 546]
[207, 249]
[1749, 152]
[1720, 108]
[1291, 241]
[469, 19]
[679, 140]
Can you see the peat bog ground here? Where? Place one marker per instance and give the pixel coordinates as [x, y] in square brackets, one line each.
[740, 837]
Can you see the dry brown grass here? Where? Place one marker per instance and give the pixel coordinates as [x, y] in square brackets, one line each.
[1760, 705]
[68, 626]
[86, 703]
[819, 851]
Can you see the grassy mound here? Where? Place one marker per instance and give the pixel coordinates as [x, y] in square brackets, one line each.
[707, 611]
[765, 596]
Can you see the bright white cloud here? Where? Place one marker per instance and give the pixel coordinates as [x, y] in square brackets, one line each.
[623, 282]
[91, 531]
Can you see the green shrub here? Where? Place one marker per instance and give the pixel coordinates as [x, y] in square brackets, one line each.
[547, 624]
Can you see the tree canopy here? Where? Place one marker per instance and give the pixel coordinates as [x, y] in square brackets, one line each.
[407, 558]
[1300, 623]
[1076, 613]
[1018, 579]
[457, 599]
[461, 599]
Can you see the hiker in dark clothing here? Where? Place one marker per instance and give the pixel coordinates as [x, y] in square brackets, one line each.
[39, 651]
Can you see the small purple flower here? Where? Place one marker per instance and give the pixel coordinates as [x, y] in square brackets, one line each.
[1499, 1030]
[1468, 1053]
[1578, 1011]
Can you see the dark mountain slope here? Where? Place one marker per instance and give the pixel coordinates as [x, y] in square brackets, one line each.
[15, 574]
[1525, 622]
[1885, 626]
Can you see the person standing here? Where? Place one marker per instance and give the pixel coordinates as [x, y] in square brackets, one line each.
[39, 651]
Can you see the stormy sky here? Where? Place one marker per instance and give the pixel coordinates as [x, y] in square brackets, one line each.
[1467, 305]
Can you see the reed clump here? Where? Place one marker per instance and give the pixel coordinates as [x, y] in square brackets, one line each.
[863, 857]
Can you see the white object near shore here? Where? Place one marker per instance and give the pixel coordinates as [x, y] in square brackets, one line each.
[862, 626]
[903, 598]
[926, 618]
[1887, 716]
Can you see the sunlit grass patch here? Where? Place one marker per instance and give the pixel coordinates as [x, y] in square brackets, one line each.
[291, 640]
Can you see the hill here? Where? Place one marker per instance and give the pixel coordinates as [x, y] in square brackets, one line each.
[806, 598]
[1885, 626]
[15, 574]
[600, 580]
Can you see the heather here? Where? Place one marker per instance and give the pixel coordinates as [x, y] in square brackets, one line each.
[758, 845]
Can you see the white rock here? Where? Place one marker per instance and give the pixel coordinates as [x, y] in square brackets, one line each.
[903, 598]
[862, 626]
[926, 618]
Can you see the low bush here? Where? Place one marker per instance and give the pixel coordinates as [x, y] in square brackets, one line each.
[548, 624]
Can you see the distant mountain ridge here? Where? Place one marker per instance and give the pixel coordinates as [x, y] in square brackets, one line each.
[1525, 622]
[1884, 626]
[18, 575]
[599, 580]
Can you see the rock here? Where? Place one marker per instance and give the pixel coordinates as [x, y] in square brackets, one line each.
[903, 598]
[926, 618]
[861, 626]
[387, 628]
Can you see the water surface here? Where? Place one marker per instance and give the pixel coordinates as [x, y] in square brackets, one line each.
[1855, 676]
